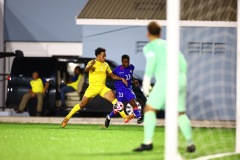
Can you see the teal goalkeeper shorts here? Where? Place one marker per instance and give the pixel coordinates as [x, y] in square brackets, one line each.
[157, 98]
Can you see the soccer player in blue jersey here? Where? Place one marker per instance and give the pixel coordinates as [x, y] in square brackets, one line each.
[125, 93]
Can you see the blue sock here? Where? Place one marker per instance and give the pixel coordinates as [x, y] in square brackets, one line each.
[137, 113]
[112, 114]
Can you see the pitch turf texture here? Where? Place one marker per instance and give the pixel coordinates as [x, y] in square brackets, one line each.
[90, 142]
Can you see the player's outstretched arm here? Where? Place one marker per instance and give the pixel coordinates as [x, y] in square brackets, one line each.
[90, 65]
[115, 77]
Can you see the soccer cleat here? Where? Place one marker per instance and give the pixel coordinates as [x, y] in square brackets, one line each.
[144, 147]
[64, 122]
[139, 120]
[107, 121]
[129, 118]
[191, 148]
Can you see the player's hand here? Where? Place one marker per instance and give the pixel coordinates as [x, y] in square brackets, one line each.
[124, 81]
[33, 94]
[136, 83]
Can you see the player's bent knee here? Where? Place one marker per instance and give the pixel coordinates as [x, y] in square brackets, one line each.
[83, 102]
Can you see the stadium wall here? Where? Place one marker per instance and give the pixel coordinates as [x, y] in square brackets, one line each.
[34, 20]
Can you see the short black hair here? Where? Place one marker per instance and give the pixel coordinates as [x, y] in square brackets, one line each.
[78, 68]
[154, 28]
[99, 50]
[125, 56]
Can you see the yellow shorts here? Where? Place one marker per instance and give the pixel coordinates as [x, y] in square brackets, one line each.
[92, 91]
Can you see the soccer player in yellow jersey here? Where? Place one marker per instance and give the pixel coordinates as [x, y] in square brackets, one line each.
[98, 70]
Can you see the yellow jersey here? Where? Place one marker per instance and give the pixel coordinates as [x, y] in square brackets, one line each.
[98, 73]
[75, 84]
[37, 85]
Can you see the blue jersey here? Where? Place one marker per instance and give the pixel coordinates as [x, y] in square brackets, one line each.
[74, 78]
[126, 73]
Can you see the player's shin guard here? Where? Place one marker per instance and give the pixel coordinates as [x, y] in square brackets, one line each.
[73, 111]
[185, 127]
[150, 121]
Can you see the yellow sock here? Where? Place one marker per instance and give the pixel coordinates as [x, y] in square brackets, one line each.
[73, 111]
[114, 101]
[122, 113]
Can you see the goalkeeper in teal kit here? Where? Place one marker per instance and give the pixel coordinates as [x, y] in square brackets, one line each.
[156, 65]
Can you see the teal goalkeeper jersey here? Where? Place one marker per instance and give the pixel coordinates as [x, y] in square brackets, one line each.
[156, 65]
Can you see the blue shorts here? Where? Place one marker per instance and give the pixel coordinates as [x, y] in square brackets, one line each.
[125, 95]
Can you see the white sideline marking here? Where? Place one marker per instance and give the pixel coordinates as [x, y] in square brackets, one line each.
[24, 118]
[216, 156]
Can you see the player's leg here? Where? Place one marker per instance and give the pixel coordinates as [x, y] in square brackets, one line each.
[150, 121]
[89, 94]
[155, 102]
[136, 111]
[112, 114]
[184, 122]
[120, 98]
[131, 98]
[110, 96]
[76, 108]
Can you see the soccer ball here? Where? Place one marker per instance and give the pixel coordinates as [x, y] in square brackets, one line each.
[118, 107]
[129, 108]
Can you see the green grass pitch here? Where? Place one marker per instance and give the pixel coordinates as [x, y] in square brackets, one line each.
[90, 142]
